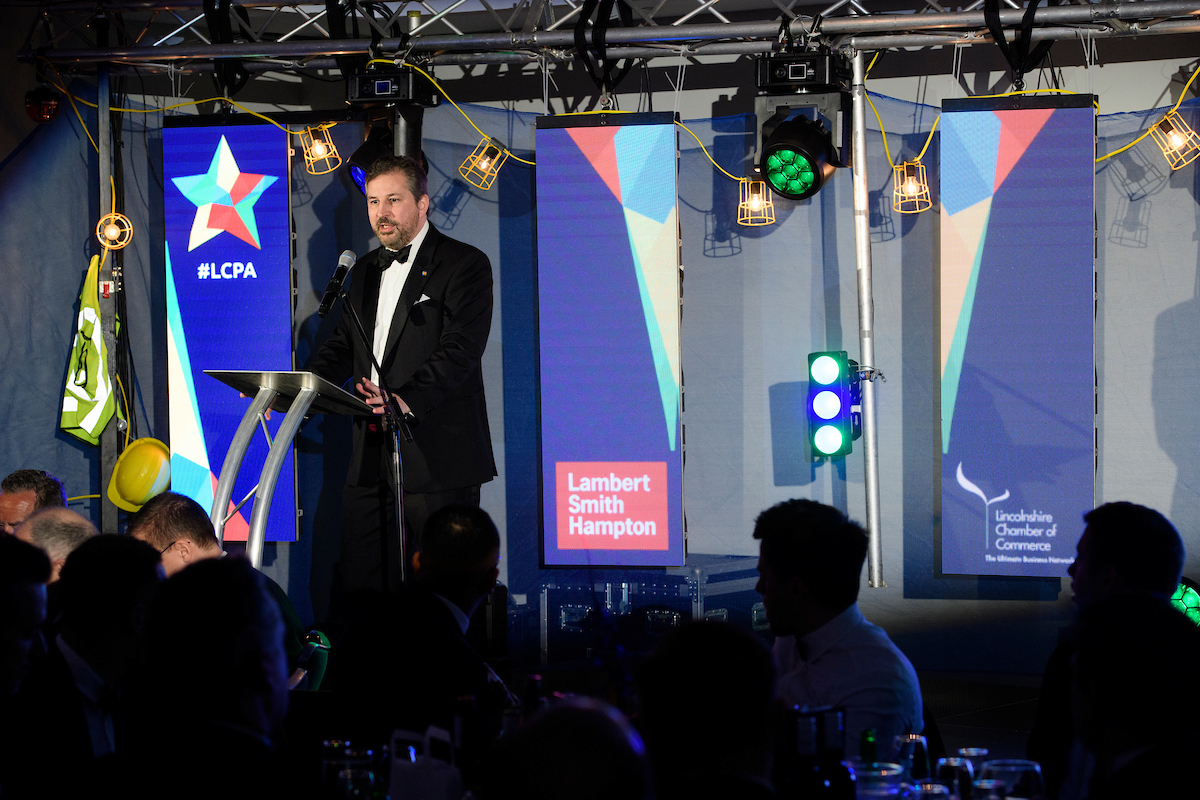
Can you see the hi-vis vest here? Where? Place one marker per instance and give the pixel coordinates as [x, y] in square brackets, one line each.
[88, 401]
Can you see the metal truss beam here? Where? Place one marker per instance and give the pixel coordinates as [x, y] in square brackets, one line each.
[924, 28]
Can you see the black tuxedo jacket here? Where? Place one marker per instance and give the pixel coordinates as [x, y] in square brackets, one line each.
[432, 360]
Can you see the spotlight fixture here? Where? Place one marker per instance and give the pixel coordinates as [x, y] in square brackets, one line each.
[797, 158]
[755, 206]
[41, 104]
[378, 143]
[114, 231]
[1176, 139]
[910, 194]
[481, 167]
[320, 153]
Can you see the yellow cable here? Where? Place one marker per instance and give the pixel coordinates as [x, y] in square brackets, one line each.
[82, 497]
[438, 86]
[873, 60]
[82, 124]
[882, 133]
[705, 149]
[381, 61]
[125, 402]
[930, 139]
[1174, 108]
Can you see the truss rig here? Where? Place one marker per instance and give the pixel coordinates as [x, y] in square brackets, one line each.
[196, 35]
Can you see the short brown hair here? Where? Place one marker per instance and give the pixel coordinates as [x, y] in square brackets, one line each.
[418, 183]
[168, 517]
[49, 489]
[816, 543]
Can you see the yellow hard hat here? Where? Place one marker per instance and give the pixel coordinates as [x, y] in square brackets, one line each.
[142, 471]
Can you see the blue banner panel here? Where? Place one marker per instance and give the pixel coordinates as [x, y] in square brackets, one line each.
[1017, 385]
[229, 304]
[608, 325]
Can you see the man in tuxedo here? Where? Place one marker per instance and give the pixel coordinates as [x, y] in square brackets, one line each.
[425, 301]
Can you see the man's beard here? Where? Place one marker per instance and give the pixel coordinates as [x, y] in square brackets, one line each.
[400, 235]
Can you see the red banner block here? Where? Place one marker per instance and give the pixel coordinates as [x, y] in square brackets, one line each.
[611, 505]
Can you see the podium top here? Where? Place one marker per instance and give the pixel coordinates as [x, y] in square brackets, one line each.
[330, 399]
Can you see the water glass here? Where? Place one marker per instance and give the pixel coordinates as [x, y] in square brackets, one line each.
[912, 753]
[956, 773]
[1022, 778]
[975, 755]
[988, 789]
[878, 780]
[932, 791]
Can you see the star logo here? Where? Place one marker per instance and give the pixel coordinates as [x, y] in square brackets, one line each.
[224, 198]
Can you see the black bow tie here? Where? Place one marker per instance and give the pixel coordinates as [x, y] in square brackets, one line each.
[389, 257]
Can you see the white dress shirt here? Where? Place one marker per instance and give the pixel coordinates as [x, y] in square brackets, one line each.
[852, 664]
[391, 284]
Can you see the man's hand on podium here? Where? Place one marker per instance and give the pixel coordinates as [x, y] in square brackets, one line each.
[373, 396]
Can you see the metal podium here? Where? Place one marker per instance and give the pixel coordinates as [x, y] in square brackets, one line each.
[297, 393]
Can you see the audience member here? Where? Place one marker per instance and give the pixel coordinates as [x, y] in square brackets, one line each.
[1136, 701]
[717, 683]
[1125, 548]
[455, 569]
[182, 532]
[578, 749]
[24, 571]
[26, 491]
[217, 668]
[57, 531]
[810, 563]
[68, 711]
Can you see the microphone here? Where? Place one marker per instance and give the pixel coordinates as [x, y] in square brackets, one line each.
[345, 262]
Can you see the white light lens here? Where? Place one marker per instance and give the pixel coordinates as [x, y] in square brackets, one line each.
[824, 370]
[826, 405]
[827, 439]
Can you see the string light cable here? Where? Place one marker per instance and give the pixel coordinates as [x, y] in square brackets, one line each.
[438, 86]
[1174, 108]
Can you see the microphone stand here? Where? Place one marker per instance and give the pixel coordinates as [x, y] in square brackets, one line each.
[395, 423]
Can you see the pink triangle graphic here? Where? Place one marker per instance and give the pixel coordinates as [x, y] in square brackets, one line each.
[236, 529]
[598, 147]
[1017, 131]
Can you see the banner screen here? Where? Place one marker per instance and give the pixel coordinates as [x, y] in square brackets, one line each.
[229, 304]
[1016, 332]
[608, 324]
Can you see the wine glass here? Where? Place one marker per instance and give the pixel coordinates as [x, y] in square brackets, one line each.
[956, 773]
[1022, 778]
[912, 753]
[975, 755]
[932, 791]
[988, 789]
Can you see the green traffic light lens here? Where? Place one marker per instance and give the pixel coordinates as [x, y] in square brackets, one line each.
[826, 405]
[824, 370]
[827, 439]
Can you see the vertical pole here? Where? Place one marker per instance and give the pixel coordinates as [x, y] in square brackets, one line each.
[110, 443]
[866, 321]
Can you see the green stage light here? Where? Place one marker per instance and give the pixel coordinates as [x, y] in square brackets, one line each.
[831, 424]
[797, 158]
[1187, 600]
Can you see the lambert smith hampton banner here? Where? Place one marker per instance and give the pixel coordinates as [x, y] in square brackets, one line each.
[1017, 400]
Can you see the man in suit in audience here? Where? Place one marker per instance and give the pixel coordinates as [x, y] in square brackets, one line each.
[180, 529]
[215, 627]
[810, 566]
[68, 712]
[408, 654]
[26, 491]
[1125, 549]
[57, 531]
[24, 571]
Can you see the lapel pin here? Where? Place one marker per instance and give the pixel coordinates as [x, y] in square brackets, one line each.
[424, 273]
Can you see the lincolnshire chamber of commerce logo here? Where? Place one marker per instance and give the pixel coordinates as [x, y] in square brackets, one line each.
[1020, 536]
[224, 198]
